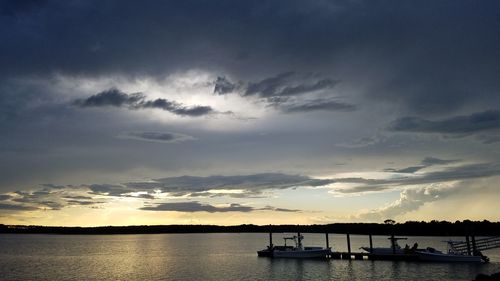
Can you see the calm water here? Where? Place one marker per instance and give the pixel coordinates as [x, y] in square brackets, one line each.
[207, 257]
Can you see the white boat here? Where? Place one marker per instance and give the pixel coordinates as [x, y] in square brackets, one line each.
[439, 256]
[394, 248]
[297, 251]
[433, 255]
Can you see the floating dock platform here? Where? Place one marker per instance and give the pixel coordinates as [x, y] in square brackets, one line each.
[369, 256]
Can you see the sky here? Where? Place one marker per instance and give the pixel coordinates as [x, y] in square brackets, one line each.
[235, 112]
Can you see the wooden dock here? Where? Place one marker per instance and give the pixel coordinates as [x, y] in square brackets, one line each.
[396, 255]
[369, 256]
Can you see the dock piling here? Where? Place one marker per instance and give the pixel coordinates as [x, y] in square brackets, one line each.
[348, 244]
[327, 241]
[468, 245]
[473, 244]
[371, 244]
[393, 244]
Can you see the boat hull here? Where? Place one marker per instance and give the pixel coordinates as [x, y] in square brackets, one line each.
[383, 251]
[441, 257]
[298, 254]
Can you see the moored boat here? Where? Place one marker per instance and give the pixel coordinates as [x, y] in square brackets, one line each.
[297, 251]
[438, 256]
[452, 255]
[394, 248]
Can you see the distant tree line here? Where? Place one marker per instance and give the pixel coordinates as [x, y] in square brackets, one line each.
[409, 228]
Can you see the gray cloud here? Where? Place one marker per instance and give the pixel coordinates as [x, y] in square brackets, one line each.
[109, 189]
[458, 173]
[316, 105]
[458, 126]
[248, 186]
[410, 170]
[79, 197]
[278, 90]
[271, 208]
[111, 97]
[252, 183]
[488, 139]
[4, 197]
[282, 85]
[288, 84]
[177, 108]
[306, 36]
[50, 197]
[194, 206]
[163, 137]
[433, 61]
[12, 207]
[115, 190]
[41, 201]
[427, 162]
[117, 98]
[223, 86]
[83, 202]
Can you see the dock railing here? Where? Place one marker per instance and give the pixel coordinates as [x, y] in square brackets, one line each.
[480, 244]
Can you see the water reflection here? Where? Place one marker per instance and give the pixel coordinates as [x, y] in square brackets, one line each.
[203, 257]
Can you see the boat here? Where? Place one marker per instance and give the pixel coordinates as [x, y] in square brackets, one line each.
[297, 251]
[394, 248]
[452, 255]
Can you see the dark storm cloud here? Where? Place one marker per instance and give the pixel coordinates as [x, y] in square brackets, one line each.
[223, 86]
[195, 206]
[288, 92]
[117, 98]
[177, 108]
[163, 137]
[428, 57]
[111, 97]
[282, 85]
[316, 105]
[287, 84]
[457, 125]
[158, 37]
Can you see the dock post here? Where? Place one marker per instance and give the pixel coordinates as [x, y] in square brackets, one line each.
[393, 244]
[348, 244]
[473, 244]
[327, 241]
[371, 244]
[468, 245]
[270, 240]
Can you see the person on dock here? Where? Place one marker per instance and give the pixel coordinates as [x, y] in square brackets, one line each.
[407, 249]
